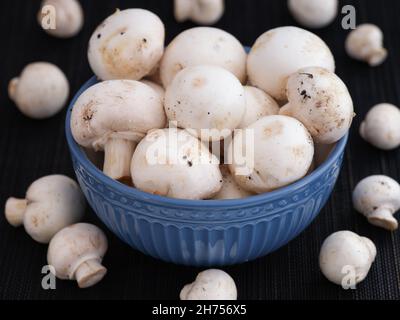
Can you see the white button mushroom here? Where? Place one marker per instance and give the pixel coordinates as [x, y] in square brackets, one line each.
[127, 45]
[200, 11]
[279, 53]
[314, 13]
[230, 189]
[321, 101]
[69, 17]
[203, 46]
[282, 154]
[173, 163]
[365, 43]
[378, 198]
[76, 253]
[212, 284]
[206, 97]
[381, 127]
[40, 91]
[258, 105]
[51, 203]
[159, 89]
[345, 253]
[113, 116]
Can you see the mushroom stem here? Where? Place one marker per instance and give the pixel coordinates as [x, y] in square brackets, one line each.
[15, 210]
[89, 273]
[117, 158]
[182, 9]
[377, 56]
[383, 217]
[12, 88]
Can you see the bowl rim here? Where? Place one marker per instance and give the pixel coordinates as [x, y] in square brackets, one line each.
[78, 153]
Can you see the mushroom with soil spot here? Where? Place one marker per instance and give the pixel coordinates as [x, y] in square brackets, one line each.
[127, 45]
[381, 127]
[173, 163]
[378, 198]
[314, 13]
[346, 251]
[365, 43]
[211, 284]
[280, 52]
[69, 17]
[76, 253]
[279, 152]
[200, 11]
[203, 46]
[209, 100]
[258, 105]
[114, 116]
[40, 91]
[321, 101]
[51, 203]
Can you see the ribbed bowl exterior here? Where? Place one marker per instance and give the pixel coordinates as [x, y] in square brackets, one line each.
[205, 233]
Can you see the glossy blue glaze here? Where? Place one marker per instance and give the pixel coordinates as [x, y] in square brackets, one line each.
[204, 233]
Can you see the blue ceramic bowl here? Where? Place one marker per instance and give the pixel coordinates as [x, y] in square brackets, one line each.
[204, 233]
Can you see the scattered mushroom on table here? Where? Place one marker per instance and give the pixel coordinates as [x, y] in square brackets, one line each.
[211, 284]
[378, 198]
[40, 91]
[381, 127]
[205, 12]
[51, 203]
[114, 116]
[365, 43]
[68, 20]
[76, 253]
[345, 256]
[314, 13]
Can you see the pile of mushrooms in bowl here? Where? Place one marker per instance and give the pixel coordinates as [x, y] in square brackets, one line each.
[157, 137]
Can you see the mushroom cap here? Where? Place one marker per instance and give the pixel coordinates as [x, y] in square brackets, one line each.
[280, 52]
[381, 126]
[54, 202]
[345, 248]
[258, 105]
[204, 12]
[230, 189]
[212, 284]
[203, 46]
[69, 17]
[40, 91]
[365, 43]
[173, 163]
[206, 97]
[124, 109]
[322, 102]
[280, 148]
[74, 245]
[127, 45]
[155, 86]
[376, 192]
[314, 13]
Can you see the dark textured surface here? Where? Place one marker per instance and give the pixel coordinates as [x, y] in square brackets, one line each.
[31, 149]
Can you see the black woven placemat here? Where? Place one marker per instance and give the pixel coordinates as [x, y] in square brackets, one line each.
[31, 149]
